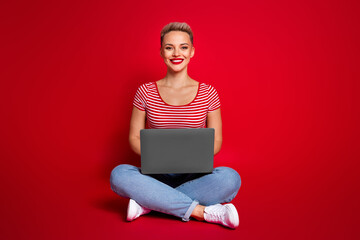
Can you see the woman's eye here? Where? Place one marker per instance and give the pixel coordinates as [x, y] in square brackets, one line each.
[184, 47]
[168, 48]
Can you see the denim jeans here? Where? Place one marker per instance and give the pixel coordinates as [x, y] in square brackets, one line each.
[175, 194]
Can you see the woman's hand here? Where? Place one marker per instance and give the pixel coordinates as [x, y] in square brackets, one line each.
[137, 123]
[214, 121]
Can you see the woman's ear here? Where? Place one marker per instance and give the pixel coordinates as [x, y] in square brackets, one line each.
[161, 52]
[192, 52]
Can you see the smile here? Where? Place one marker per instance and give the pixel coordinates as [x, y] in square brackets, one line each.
[176, 60]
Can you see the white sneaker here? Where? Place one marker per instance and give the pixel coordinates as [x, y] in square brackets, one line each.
[134, 210]
[222, 214]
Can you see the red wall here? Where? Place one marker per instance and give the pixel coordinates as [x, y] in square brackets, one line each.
[287, 73]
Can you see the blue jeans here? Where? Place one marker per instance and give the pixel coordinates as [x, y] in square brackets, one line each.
[175, 194]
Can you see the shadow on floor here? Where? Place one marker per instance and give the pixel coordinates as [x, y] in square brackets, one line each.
[119, 205]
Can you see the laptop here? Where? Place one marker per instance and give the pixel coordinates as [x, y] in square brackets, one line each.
[189, 150]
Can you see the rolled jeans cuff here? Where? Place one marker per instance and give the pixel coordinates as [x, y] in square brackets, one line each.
[190, 210]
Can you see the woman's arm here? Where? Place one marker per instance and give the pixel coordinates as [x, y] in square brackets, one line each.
[137, 123]
[214, 121]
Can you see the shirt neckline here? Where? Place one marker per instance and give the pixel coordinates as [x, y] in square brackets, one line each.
[158, 93]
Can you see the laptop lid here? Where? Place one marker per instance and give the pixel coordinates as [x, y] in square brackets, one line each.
[189, 150]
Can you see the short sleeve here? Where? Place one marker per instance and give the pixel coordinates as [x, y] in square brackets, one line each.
[214, 100]
[140, 98]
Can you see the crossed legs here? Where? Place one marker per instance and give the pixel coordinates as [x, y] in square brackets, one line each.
[185, 200]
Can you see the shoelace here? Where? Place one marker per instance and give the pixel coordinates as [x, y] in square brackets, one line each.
[217, 212]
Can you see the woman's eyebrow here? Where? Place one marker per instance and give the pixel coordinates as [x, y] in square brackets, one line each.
[180, 44]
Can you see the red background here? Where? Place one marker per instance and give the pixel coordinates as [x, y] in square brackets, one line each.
[287, 73]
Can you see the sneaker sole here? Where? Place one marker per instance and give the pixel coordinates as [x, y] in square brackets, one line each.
[234, 216]
[130, 215]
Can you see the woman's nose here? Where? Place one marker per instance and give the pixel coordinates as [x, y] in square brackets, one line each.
[176, 52]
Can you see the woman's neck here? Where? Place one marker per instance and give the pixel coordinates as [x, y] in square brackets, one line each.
[176, 79]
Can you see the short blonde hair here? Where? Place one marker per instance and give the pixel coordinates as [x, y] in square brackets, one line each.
[176, 26]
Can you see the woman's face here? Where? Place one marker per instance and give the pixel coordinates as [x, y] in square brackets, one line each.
[177, 50]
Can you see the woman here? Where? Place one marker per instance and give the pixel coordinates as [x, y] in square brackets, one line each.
[177, 101]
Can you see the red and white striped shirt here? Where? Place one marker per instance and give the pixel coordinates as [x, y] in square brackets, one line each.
[162, 115]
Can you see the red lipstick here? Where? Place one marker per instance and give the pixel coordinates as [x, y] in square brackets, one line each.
[176, 60]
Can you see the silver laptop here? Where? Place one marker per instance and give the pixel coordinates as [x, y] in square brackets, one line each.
[189, 150]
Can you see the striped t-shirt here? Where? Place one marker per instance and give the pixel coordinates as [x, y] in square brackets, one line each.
[159, 114]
